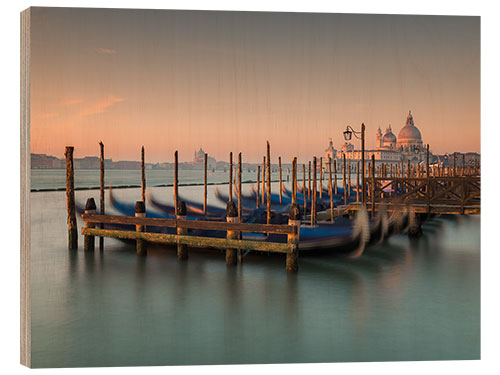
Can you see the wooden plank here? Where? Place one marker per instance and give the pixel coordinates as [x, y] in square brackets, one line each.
[191, 224]
[193, 241]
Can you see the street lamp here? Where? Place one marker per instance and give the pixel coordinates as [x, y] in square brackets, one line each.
[349, 131]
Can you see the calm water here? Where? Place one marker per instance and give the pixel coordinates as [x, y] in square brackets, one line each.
[399, 301]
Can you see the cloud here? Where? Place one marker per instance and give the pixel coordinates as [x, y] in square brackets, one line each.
[101, 106]
[106, 51]
[48, 115]
[73, 101]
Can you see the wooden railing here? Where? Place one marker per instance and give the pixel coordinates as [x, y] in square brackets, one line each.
[233, 241]
[431, 191]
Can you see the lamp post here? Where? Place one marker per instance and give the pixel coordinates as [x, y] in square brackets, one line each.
[349, 131]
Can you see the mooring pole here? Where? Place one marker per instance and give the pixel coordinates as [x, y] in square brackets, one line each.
[313, 206]
[292, 256]
[101, 193]
[373, 185]
[230, 176]
[240, 219]
[231, 217]
[89, 241]
[281, 182]
[140, 211]
[205, 181]
[181, 214]
[268, 183]
[258, 186]
[304, 188]
[143, 177]
[70, 199]
[320, 177]
[176, 180]
[309, 184]
[330, 187]
[344, 180]
[263, 181]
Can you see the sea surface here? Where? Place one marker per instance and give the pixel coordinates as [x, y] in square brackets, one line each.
[401, 300]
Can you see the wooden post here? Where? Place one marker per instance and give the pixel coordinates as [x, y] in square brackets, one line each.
[335, 174]
[304, 188]
[239, 190]
[231, 217]
[313, 205]
[320, 177]
[258, 186]
[101, 193]
[182, 252]
[140, 211]
[268, 183]
[70, 199]
[463, 164]
[357, 181]
[143, 177]
[349, 177]
[294, 180]
[292, 256]
[287, 174]
[281, 182]
[230, 176]
[263, 181]
[373, 185]
[89, 241]
[176, 181]
[344, 181]
[330, 187]
[309, 184]
[205, 181]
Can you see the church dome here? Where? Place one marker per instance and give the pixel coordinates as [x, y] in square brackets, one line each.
[389, 136]
[409, 132]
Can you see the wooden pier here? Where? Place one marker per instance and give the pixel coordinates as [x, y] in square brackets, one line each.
[424, 189]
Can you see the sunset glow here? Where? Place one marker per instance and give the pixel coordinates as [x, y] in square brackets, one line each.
[228, 81]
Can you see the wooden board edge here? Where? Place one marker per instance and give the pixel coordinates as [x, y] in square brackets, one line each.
[25, 161]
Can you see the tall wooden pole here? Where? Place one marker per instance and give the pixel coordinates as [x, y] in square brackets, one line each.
[268, 183]
[70, 199]
[304, 188]
[309, 183]
[258, 186]
[373, 185]
[263, 180]
[330, 187]
[230, 176]
[357, 182]
[205, 181]
[176, 180]
[313, 204]
[281, 182]
[101, 191]
[363, 192]
[349, 176]
[294, 180]
[335, 174]
[320, 177]
[344, 181]
[239, 187]
[143, 177]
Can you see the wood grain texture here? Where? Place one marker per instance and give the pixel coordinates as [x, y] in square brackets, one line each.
[25, 297]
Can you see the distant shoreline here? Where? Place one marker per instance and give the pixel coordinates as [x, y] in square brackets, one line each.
[138, 186]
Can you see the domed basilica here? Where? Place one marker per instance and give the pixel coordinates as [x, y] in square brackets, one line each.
[389, 149]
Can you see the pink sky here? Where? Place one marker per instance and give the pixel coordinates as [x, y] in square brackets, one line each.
[225, 81]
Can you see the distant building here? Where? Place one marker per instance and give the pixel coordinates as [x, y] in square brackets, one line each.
[199, 160]
[389, 149]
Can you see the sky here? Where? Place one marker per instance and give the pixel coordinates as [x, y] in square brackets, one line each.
[230, 81]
